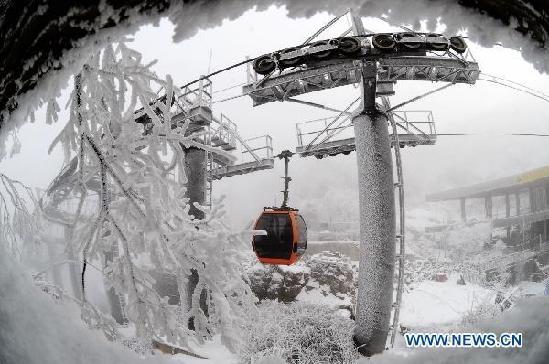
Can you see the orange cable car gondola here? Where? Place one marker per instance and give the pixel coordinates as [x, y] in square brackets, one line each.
[284, 232]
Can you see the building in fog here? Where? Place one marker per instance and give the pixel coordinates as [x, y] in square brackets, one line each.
[517, 208]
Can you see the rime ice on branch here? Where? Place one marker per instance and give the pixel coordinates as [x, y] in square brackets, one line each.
[129, 180]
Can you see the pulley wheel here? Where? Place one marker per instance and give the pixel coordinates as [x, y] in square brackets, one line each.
[458, 44]
[323, 54]
[440, 46]
[409, 45]
[291, 62]
[348, 45]
[264, 65]
[384, 42]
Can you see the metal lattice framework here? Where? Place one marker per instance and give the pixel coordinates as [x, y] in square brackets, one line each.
[192, 108]
[325, 75]
[195, 103]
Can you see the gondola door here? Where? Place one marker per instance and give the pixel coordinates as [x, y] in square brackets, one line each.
[301, 243]
[284, 241]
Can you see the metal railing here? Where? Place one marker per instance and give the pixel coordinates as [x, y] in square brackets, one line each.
[197, 95]
[223, 131]
[319, 129]
[258, 148]
[407, 121]
[517, 257]
[418, 123]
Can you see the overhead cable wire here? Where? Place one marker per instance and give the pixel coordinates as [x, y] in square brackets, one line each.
[419, 97]
[344, 112]
[515, 83]
[314, 104]
[230, 98]
[229, 88]
[491, 135]
[217, 72]
[525, 89]
[323, 28]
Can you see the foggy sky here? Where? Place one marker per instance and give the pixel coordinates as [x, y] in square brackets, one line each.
[483, 108]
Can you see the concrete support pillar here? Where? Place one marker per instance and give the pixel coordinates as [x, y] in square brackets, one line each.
[545, 230]
[54, 274]
[74, 267]
[377, 222]
[547, 195]
[517, 202]
[463, 211]
[114, 298]
[508, 214]
[531, 199]
[488, 206]
[195, 170]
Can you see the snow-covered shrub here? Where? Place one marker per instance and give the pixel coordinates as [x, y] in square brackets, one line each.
[417, 270]
[333, 270]
[298, 333]
[280, 283]
[483, 312]
[330, 273]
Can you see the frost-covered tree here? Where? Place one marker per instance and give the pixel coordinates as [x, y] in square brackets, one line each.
[18, 219]
[124, 159]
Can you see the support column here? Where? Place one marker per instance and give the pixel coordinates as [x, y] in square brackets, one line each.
[114, 297]
[377, 221]
[531, 198]
[54, 273]
[463, 211]
[488, 206]
[74, 267]
[547, 195]
[508, 214]
[517, 202]
[195, 170]
[545, 230]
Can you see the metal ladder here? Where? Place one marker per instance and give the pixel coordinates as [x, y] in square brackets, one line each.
[209, 169]
[209, 180]
[122, 302]
[400, 236]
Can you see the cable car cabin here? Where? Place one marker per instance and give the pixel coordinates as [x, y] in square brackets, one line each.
[286, 238]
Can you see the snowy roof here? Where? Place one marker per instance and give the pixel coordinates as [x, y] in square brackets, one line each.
[497, 186]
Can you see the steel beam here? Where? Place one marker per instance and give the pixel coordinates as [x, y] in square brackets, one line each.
[337, 73]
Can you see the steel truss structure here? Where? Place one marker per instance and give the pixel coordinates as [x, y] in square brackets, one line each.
[325, 75]
[192, 108]
[414, 58]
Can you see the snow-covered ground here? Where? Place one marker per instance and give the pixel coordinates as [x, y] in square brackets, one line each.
[214, 351]
[428, 305]
[432, 304]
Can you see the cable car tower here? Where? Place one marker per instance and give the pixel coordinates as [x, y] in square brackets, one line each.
[375, 62]
[192, 108]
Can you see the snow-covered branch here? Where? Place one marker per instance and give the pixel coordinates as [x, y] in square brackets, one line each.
[126, 174]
